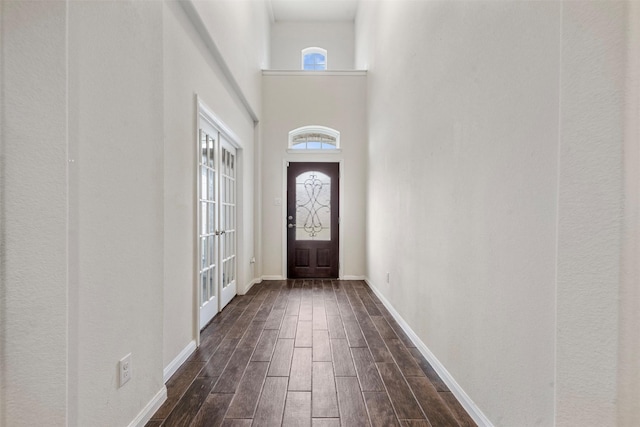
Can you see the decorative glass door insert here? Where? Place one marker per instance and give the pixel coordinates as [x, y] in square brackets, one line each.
[313, 206]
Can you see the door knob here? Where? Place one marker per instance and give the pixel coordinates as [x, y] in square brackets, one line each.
[290, 225]
[289, 217]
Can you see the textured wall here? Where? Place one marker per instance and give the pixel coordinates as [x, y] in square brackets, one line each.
[33, 204]
[240, 30]
[189, 70]
[339, 103]
[289, 38]
[629, 366]
[590, 206]
[116, 206]
[510, 121]
[462, 189]
[83, 242]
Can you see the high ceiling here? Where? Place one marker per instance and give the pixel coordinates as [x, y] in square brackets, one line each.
[313, 10]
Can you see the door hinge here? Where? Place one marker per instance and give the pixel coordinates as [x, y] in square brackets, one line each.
[338, 220]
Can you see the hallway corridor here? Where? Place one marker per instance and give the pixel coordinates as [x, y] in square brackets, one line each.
[307, 352]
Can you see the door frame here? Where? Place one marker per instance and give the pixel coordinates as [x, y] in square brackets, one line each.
[312, 158]
[203, 112]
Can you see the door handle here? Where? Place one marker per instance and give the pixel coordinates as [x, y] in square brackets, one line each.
[289, 217]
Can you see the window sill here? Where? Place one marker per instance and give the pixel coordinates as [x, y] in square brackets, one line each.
[336, 151]
[314, 73]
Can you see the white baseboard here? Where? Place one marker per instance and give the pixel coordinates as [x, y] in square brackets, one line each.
[250, 285]
[147, 412]
[474, 411]
[172, 367]
[275, 277]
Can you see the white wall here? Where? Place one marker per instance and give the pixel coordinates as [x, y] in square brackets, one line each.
[508, 121]
[629, 366]
[289, 38]
[590, 201]
[189, 69]
[33, 214]
[116, 206]
[463, 134]
[89, 91]
[340, 105]
[240, 30]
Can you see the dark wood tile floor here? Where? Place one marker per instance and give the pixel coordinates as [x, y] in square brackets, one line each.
[307, 353]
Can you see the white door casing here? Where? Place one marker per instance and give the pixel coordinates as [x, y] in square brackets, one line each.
[217, 225]
[305, 157]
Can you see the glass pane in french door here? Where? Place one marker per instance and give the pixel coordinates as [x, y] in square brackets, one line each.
[228, 171]
[207, 251]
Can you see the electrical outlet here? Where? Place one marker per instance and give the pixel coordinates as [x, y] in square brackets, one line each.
[388, 277]
[125, 369]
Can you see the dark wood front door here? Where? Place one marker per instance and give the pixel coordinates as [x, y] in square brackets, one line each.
[312, 220]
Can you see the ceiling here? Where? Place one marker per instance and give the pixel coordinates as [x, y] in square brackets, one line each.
[313, 10]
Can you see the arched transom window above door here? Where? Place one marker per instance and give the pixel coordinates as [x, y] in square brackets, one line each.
[318, 139]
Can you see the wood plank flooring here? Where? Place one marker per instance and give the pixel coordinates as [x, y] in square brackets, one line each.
[307, 353]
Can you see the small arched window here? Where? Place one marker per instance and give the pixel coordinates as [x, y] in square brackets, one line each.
[314, 138]
[314, 58]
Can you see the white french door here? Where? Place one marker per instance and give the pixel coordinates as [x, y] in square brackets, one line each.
[216, 221]
[227, 224]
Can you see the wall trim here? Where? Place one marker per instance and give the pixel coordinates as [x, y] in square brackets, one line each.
[173, 366]
[276, 277]
[474, 411]
[147, 412]
[214, 120]
[250, 285]
[212, 47]
[314, 73]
